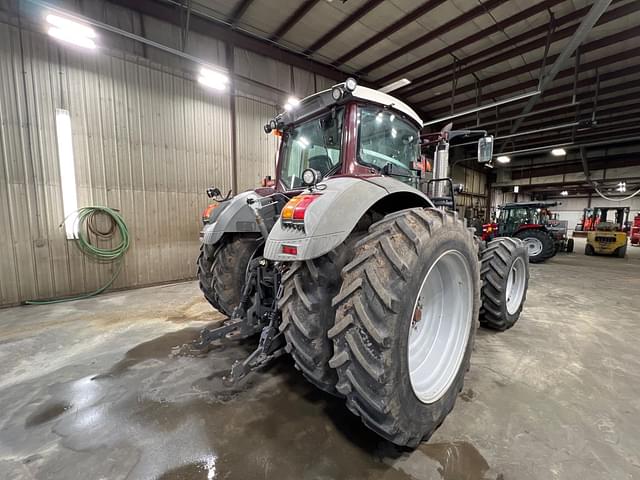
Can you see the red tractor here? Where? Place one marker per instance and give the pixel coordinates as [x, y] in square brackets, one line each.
[635, 231]
[534, 224]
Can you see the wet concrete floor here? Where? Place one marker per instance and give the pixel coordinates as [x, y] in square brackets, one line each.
[91, 390]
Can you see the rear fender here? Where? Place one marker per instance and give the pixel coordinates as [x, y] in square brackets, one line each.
[329, 220]
[236, 217]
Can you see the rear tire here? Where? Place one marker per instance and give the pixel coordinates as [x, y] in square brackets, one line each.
[222, 269]
[540, 245]
[307, 314]
[570, 245]
[622, 251]
[205, 275]
[504, 271]
[378, 304]
[588, 250]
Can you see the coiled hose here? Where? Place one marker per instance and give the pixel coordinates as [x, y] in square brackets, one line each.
[86, 225]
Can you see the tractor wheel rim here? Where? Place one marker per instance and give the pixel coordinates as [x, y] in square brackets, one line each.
[534, 246]
[440, 326]
[515, 286]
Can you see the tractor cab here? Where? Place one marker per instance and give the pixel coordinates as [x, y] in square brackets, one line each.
[348, 130]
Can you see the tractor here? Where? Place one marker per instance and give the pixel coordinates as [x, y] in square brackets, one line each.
[635, 231]
[371, 286]
[534, 224]
[606, 233]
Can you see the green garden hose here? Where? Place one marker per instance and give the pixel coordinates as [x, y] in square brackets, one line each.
[86, 225]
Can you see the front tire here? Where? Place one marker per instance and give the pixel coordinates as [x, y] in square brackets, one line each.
[570, 245]
[405, 323]
[504, 271]
[588, 250]
[540, 245]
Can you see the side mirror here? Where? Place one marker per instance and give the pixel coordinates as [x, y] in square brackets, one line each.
[485, 149]
[213, 192]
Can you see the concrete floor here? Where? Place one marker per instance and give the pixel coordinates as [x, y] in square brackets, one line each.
[89, 390]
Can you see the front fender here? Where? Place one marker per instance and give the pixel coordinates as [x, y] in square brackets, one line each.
[331, 218]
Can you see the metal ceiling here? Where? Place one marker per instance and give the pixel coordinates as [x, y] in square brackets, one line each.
[463, 53]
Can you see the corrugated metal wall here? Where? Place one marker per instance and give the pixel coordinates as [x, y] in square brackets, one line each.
[143, 143]
[147, 140]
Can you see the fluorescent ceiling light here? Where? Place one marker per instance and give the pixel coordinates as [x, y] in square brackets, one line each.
[564, 193]
[71, 32]
[503, 159]
[213, 79]
[558, 152]
[395, 85]
[622, 187]
[516, 189]
[71, 26]
[67, 172]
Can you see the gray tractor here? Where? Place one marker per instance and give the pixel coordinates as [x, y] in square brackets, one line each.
[357, 266]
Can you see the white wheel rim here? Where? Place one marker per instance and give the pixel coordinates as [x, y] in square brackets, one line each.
[515, 286]
[440, 326]
[534, 246]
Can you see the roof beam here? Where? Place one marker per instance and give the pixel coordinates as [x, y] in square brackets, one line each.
[412, 16]
[586, 25]
[443, 75]
[465, 42]
[544, 107]
[608, 60]
[239, 11]
[435, 33]
[629, 129]
[342, 26]
[294, 18]
[213, 28]
[511, 89]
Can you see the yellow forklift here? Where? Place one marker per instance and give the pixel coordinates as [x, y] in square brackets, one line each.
[607, 236]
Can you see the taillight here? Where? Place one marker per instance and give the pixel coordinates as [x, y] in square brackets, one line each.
[289, 249]
[293, 212]
[207, 212]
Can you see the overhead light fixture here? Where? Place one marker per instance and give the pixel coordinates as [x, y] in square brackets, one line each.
[213, 79]
[558, 152]
[622, 187]
[564, 193]
[503, 159]
[71, 32]
[516, 189]
[395, 85]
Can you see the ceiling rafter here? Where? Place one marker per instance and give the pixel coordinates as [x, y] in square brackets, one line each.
[412, 16]
[500, 77]
[443, 75]
[294, 18]
[465, 42]
[584, 104]
[342, 26]
[436, 32]
[239, 11]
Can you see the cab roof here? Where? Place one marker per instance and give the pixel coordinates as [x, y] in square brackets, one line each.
[323, 100]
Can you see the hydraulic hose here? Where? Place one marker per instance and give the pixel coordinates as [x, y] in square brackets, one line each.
[85, 225]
